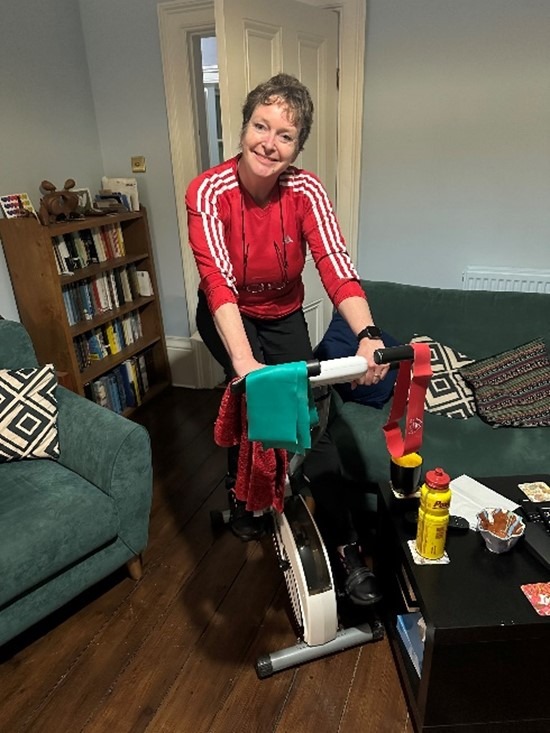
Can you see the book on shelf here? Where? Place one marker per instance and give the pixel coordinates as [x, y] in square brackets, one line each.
[112, 339]
[60, 263]
[111, 285]
[82, 351]
[99, 393]
[117, 278]
[142, 366]
[99, 247]
[88, 241]
[128, 391]
[62, 255]
[79, 248]
[412, 629]
[127, 292]
[81, 302]
[128, 368]
[86, 295]
[144, 284]
[112, 386]
[122, 396]
[96, 345]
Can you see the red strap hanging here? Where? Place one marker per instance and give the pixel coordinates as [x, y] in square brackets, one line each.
[409, 394]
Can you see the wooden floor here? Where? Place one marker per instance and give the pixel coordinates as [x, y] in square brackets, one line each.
[175, 652]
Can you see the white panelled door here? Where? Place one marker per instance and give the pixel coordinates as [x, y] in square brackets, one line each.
[257, 39]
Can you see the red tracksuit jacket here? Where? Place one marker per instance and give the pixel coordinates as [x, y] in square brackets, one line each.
[254, 256]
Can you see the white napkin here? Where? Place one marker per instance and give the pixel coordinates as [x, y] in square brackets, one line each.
[468, 497]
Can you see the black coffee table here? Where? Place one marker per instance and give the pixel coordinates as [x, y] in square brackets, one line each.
[486, 662]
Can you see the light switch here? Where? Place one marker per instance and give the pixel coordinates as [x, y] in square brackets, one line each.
[138, 164]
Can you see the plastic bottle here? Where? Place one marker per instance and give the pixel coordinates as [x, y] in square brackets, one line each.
[433, 515]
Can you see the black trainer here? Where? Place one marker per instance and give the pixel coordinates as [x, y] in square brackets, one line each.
[360, 584]
[243, 523]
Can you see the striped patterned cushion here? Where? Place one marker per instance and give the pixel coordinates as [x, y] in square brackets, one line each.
[447, 393]
[28, 414]
[513, 388]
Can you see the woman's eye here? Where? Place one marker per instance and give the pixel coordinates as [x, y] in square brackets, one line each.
[286, 138]
[259, 126]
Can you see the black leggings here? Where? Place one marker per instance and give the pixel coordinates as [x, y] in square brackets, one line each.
[272, 341]
[275, 342]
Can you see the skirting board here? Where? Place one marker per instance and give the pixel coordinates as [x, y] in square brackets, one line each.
[191, 363]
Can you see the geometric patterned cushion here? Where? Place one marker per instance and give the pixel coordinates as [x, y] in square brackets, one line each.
[28, 414]
[447, 393]
[513, 388]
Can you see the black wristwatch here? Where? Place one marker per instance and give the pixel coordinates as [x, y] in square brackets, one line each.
[370, 332]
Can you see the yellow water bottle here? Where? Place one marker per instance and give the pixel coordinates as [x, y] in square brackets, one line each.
[433, 515]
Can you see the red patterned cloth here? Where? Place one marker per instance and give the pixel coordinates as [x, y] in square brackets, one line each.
[261, 474]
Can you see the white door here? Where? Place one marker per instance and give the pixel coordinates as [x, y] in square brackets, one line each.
[257, 39]
[180, 21]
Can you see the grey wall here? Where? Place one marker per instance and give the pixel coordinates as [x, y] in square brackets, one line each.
[82, 91]
[47, 123]
[123, 47]
[457, 121]
[456, 166]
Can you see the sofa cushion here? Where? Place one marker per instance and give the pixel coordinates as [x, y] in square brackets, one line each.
[28, 413]
[513, 388]
[338, 341]
[45, 512]
[447, 394]
[458, 446]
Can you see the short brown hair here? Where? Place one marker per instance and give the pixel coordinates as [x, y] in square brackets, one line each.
[291, 92]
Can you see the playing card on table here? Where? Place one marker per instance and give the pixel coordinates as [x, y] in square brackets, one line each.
[536, 490]
[539, 597]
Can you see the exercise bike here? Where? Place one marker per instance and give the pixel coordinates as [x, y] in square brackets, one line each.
[301, 552]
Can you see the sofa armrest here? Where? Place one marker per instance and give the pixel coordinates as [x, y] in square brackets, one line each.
[114, 454]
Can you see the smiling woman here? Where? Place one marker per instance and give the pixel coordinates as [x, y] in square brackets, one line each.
[250, 220]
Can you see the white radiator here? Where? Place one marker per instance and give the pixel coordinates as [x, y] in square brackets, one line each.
[504, 278]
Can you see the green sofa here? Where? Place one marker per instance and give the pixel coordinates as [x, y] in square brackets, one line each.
[66, 524]
[477, 323]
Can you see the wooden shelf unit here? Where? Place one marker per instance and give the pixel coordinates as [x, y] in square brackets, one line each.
[38, 287]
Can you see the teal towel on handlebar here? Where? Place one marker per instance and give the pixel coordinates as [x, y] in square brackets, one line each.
[280, 407]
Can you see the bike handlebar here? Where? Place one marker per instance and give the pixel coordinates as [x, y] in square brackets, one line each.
[343, 369]
[393, 353]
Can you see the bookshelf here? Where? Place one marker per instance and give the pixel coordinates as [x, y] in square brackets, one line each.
[79, 298]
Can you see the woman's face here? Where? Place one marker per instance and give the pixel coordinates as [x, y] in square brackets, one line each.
[270, 141]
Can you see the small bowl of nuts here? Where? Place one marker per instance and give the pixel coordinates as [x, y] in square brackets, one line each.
[500, 529]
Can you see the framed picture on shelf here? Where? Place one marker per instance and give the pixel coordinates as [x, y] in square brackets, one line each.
[16, 205]
[84, 199]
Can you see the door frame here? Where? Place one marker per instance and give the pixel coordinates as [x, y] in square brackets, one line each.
[178, 20]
